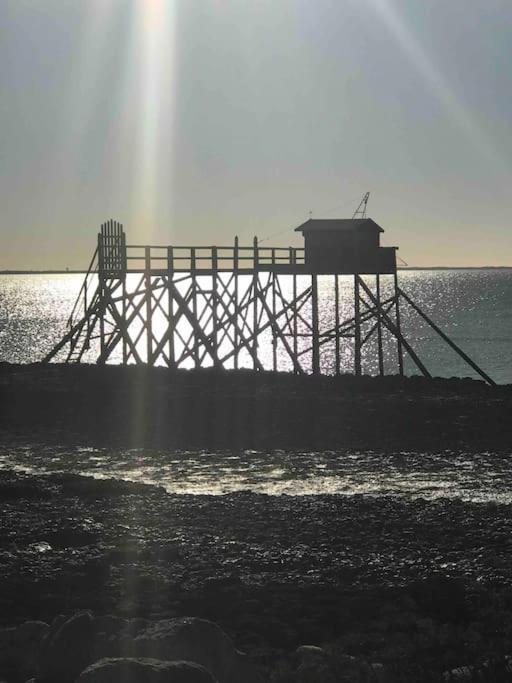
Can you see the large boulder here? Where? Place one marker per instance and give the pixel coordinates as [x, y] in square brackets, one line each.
[319, 665]
[121, 670]
[113, 635]
[314, 665]
[195, 640]
[68, 649]
[73, 644]
[20, 648]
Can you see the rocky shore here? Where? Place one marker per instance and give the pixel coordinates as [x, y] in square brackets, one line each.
[410, 589]
[104, 580]
[141, 406]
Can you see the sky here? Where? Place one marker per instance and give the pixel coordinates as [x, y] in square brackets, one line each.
[192, 121]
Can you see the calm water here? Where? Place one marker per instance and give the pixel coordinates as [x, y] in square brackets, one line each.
[473, 306]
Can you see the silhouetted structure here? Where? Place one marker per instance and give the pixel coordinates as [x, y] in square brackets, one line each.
[346, 246]
[194, 306]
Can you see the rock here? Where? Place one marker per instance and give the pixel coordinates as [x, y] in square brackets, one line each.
[459, 675]
[74, 644]
[199, 641]
[319, 665]
[490, 670]
[110, 624]
[67, 649]
[380, 674]
[28, 642]
[315, 665]
[114, 635]
[20, 648]
[143, 670]
[6, 648]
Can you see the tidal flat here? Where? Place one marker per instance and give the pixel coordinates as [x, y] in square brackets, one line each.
[415, 585]
[419, 586]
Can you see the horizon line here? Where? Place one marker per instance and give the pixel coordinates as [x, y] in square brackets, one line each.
[79, 271]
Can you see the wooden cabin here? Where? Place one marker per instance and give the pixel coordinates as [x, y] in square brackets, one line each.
[346, 246]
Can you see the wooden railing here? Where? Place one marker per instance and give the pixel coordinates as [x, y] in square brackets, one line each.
[190, 258]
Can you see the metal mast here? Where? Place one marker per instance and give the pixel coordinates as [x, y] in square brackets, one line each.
[360, 212]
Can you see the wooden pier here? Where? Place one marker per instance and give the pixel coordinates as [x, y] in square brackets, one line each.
[267, 308]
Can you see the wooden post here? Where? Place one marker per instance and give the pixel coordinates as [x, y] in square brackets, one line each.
[392, 327]
[357, 327]
[170, 303]
[379, 326]
[314, 324]
[215, 319]
[124, 314]
[295, 322]
[274, 275]
[255, 284]
[123, 268]
[235, 302]
[193, 284]
[398, 326]
[101, 283]
[149, 306]
[337, 323]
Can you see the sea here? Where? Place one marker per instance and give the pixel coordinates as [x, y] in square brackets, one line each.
[473, 306]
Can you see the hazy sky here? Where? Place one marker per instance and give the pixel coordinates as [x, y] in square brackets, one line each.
[194, 120]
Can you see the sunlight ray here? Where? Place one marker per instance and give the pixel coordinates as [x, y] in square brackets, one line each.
[155, 23]
[466, 122]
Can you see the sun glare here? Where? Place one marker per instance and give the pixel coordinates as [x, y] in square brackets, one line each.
[155, 41]
[465, 121]
[137, 140]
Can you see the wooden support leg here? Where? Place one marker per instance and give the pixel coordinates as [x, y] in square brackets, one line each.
[124, 311]
[337, 324]
[447, 339]
[170, 304]
[215, 307]
[391, 326]
[315, 326]
[236, 309]
[274, 337]
[357, 326]
[295, 325]
[255, 282]
[103, 310]
[149, 308]
[379, 326]
[399, 328]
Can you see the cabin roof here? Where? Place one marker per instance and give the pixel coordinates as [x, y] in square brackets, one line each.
[338, 225]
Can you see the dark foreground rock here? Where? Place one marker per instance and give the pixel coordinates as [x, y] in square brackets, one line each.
[103, 648]
[122, 670]
[75, 643]
[20, 649]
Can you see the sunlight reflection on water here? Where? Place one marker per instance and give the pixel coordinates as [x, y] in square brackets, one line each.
[480, 477]
[472, 306]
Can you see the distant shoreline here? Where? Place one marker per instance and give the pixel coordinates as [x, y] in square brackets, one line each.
[43, 272]
[83, 272]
